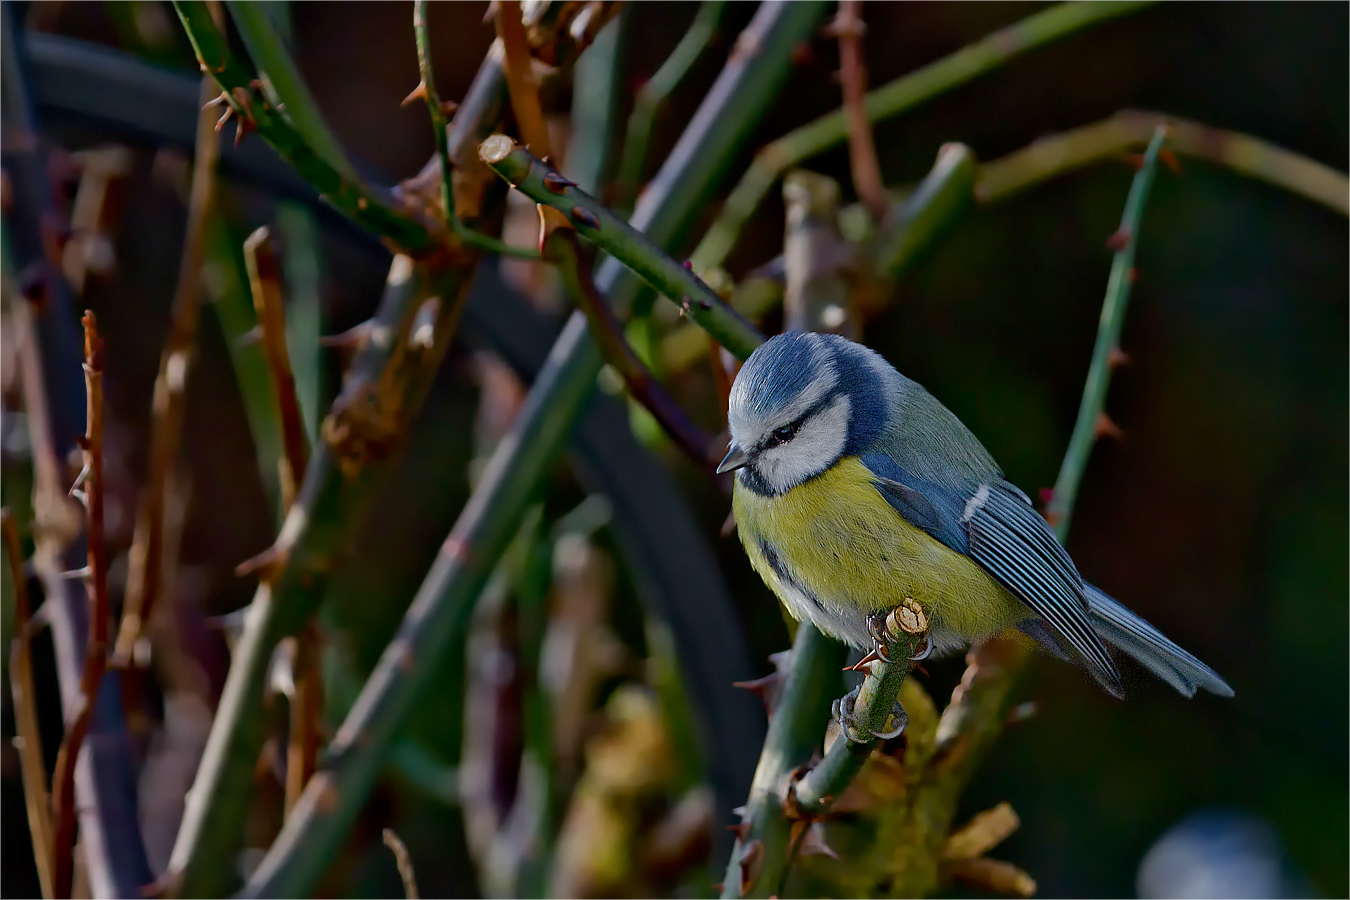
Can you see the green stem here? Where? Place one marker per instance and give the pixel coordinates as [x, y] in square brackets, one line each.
[799, 717]
[1060, 509]
[1057, 154]
[889, 100]
[541, 183]
[440, 126]
[651, 95]
[439, 613]
[595, 108]
[283, 86]
[347, 194]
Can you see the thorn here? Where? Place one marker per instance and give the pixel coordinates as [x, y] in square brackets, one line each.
[423, 332]
[1170, 160]
[740, 811]
[78, 574]
[1047, 496]
[1119, 239]
[265, 564]
[1135, 160]
[1108, 428]
[243, 127]
[222, 98]
[729, 526]
[1117, 358]
[556, 183]
[1052, 518]
[865, 664]
[689, 264]
[583, 216]
[224, 117]
[418, 93]
[250, 337]
[751, 864]
[813, 843]
[740, 830]
[448, 107]
[766, 689]
[354, 338]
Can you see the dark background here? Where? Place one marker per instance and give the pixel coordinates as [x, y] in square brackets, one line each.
[1222, 516]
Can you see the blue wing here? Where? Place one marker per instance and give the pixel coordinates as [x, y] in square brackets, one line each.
[997, 527]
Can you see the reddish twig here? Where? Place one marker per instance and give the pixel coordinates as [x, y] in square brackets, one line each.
[28, 739]
[264, 275]
[862, 152]
[518, 67]
[146, 562]
[560, 245]
[88, 486]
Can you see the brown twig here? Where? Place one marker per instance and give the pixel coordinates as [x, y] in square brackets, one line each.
[264, 276]
[520, 81]
[862, 151]
[28, 736]
[404, 862]
[90, 486]
[146, 563]
[561, 246]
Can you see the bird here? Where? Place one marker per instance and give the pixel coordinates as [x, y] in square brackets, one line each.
[857, 492]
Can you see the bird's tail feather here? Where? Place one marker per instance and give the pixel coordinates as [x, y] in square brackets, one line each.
[1123, 629]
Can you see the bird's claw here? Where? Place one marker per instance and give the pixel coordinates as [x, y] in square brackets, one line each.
[926, 651]
[858, 732]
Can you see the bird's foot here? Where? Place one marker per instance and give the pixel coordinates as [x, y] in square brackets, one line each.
[859, 732]
[886, 626]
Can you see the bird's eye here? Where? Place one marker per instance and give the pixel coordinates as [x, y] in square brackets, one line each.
[784, 434]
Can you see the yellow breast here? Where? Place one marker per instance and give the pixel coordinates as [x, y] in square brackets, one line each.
[833, 550]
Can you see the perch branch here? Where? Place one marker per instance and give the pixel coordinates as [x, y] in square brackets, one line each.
[90, 483]
[653, 93]
[28, 736]
[440, 611]
[890, 100]
[538, 181]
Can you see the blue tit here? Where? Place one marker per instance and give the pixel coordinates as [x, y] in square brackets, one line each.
[856, 490]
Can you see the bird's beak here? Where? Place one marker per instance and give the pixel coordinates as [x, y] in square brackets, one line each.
[735, 458]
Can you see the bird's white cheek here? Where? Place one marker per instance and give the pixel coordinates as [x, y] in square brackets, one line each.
[816, 447]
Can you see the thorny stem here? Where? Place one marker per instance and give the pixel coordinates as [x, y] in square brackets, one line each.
[146, 559]
[27, 733]
[96, 650]
[440, 129]
[562, 248]
[284, 87]
[1253, 157]
[862, 150]
[890, 100]
[385, 386]
[647, 102]
[538, 181]
[255, 114]
[264, 273]
[440, 611]
[1085, 430]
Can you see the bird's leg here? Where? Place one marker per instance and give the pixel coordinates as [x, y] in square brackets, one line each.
[886, 628]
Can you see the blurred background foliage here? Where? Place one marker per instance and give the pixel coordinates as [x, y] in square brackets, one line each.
[1221, 517]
